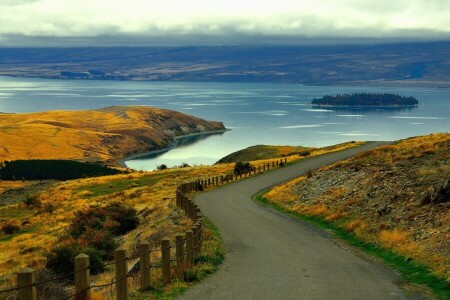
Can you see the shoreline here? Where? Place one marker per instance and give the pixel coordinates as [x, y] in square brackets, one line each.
[172, 145]
[368, 83]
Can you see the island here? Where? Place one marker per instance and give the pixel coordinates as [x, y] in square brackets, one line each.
[365, 99]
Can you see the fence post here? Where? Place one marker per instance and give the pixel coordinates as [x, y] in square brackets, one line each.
[145, 263]
[200, 234]
[195, 235]
[189, 249]
[120, 256]
[209, 181]
[285, 161]
[165, 253]
[82, 277]
[26, 278]
[191, 210]
[184, 203]
[179, 241]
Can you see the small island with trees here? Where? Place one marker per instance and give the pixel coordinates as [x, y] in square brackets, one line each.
[365, 99]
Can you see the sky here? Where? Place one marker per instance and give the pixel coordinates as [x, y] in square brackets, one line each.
[203, 22]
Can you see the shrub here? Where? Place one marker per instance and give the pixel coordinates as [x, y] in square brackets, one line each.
[161, 167]
[242, 168]
[61, 258]
[115, 217]
[32, 200]
[10, 227]
[101, 240]
[184, 165]
[304, 153]
[125, 216]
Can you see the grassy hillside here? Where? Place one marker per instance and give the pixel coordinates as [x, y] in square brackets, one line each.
[105, 135]
[269, 151]
[396, 197]
[44, 215]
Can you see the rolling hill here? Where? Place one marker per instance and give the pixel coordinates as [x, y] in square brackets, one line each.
[105, 135]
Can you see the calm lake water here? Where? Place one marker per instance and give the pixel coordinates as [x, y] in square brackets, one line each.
[256, 113]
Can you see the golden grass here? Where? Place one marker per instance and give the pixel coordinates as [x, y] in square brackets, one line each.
[93, 135]
[414, 231]
[151, 193]
[9, 185]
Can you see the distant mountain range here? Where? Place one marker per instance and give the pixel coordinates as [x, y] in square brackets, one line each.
[398, 64]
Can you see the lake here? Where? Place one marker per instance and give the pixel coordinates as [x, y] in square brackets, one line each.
[256, 113]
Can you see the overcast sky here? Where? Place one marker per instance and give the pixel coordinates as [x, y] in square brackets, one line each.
[153, 22]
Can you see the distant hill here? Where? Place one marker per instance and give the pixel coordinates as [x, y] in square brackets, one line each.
[397, 64]
[364, 99]
[105, 135]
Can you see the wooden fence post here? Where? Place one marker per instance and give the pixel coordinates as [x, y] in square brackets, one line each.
[200, 229]
[166, 269]
[25, 279]
[285, 161]
[120, 256]
[194, 212]
[82, 277]
[145, 263]
[185, 202]
[179, 241]
[189, 249]
[194, 240]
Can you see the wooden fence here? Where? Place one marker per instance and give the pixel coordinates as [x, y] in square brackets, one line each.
[186, 247]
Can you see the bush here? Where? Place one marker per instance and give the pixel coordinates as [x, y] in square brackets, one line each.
[161, 167]
[242, 168]
[61, 258]
[32, 200]
[125, 216]
[100, 240]
[305, 153]
[10, 227]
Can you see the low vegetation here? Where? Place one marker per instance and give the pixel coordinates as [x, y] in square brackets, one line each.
[41, 169]
[388, 198]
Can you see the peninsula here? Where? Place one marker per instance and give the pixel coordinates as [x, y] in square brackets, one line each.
[103, 135]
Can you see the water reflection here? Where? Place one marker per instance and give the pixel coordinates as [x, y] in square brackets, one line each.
[363, 110]
[180, 143]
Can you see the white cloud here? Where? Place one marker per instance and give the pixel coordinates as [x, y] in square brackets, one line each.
[292, 18]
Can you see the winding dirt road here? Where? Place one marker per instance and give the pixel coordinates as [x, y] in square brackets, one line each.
[272, 256]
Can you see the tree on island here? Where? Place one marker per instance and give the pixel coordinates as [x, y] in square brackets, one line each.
[365, 99]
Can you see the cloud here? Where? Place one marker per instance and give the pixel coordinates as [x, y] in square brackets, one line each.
[226, 20]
